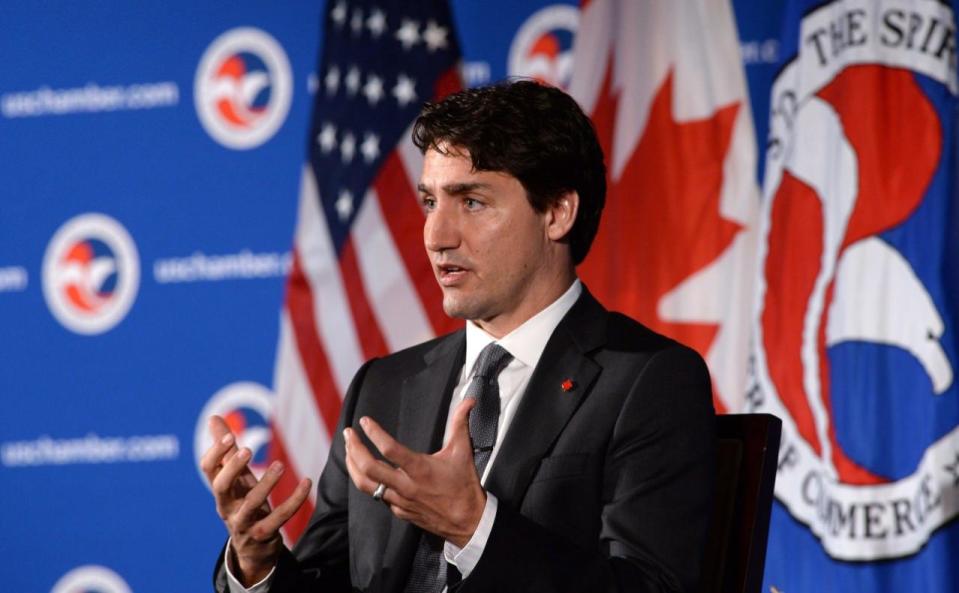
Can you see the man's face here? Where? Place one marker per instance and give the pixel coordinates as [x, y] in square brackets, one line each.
[489, 248]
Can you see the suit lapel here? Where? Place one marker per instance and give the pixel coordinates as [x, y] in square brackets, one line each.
[546, 406]
[422, 422]
[544, 411]
[426, 395]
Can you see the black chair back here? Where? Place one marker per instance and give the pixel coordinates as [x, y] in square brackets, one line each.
[747, 455]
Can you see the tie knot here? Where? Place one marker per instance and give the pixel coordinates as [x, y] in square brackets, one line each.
[491, 361]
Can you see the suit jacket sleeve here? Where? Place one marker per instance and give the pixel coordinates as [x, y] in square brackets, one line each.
[658, 477]
[320, 560]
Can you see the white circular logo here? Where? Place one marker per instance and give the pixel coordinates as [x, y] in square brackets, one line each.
[243, 88]
[91, 273]
[91, 579]
[247, 408]
[543, 46]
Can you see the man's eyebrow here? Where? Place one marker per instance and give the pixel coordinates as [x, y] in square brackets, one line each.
[456, 188]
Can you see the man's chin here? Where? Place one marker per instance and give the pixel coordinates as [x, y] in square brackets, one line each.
[458, 308]
[454, 312]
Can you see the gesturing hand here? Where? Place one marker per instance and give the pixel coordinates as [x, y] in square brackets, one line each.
[241, 501]
[440, 493]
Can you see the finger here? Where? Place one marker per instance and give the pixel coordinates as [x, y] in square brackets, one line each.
[392, 498]
[403, 513]
[218, 427]
[220, 431]
[255, 502]
[390, 448]
[214, 456]
[358, 462]
[267, 527]
[358, 479]
[362, 483]
[231, 470]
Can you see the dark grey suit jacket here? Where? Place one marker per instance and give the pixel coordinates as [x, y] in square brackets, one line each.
[605, 487]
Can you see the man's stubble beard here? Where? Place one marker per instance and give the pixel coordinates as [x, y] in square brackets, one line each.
[460, 306]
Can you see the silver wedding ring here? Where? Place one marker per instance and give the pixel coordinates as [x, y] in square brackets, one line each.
[379, 492]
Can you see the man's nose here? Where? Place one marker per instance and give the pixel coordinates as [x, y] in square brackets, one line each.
[441, 231]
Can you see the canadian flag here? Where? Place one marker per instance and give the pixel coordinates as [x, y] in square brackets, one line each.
[676, 249]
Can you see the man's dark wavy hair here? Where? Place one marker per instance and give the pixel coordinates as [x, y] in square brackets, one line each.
[536, 133]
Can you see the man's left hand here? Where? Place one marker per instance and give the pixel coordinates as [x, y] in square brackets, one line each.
[440, 493]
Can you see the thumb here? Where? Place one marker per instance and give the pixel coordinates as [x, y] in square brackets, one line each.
[460, 424]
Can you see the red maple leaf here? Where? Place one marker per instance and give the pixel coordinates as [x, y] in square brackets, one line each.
[662, 221]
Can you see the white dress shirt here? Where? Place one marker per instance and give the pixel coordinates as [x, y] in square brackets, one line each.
[526, 343]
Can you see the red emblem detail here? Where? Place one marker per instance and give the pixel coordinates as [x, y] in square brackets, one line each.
[567, 385]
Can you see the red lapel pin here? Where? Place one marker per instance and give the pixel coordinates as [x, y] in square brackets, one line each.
[567, 385]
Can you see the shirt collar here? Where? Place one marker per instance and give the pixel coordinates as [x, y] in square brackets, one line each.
[527, 342]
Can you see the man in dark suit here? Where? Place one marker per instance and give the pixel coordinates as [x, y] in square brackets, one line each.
[550, 446]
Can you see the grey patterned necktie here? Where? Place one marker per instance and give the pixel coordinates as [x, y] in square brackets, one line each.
[428, 574]
[484, 388]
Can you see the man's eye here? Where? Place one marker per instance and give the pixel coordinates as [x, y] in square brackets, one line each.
[428, 203]
[472, 203]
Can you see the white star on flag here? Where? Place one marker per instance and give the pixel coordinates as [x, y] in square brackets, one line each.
[370, 147]
[344, 204]
[332, 80]
[408, 34]
[405, 90]
[353, 80]
[434, 36]
[339, 14]
[327, 137]
[376, 23]
[373, 89]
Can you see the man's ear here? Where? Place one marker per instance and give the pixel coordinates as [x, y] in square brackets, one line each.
[561, 215]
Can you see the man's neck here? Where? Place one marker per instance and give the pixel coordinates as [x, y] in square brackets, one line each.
[534, 302]
[526, 341]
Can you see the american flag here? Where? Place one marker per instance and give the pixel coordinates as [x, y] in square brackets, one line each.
[361, 285]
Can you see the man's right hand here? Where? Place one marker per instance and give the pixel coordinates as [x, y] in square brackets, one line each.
[241, 501]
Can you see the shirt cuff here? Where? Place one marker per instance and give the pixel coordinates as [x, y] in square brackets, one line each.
[465, 559]
[235, 585]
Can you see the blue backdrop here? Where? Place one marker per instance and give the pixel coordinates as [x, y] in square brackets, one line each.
[104, 384]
